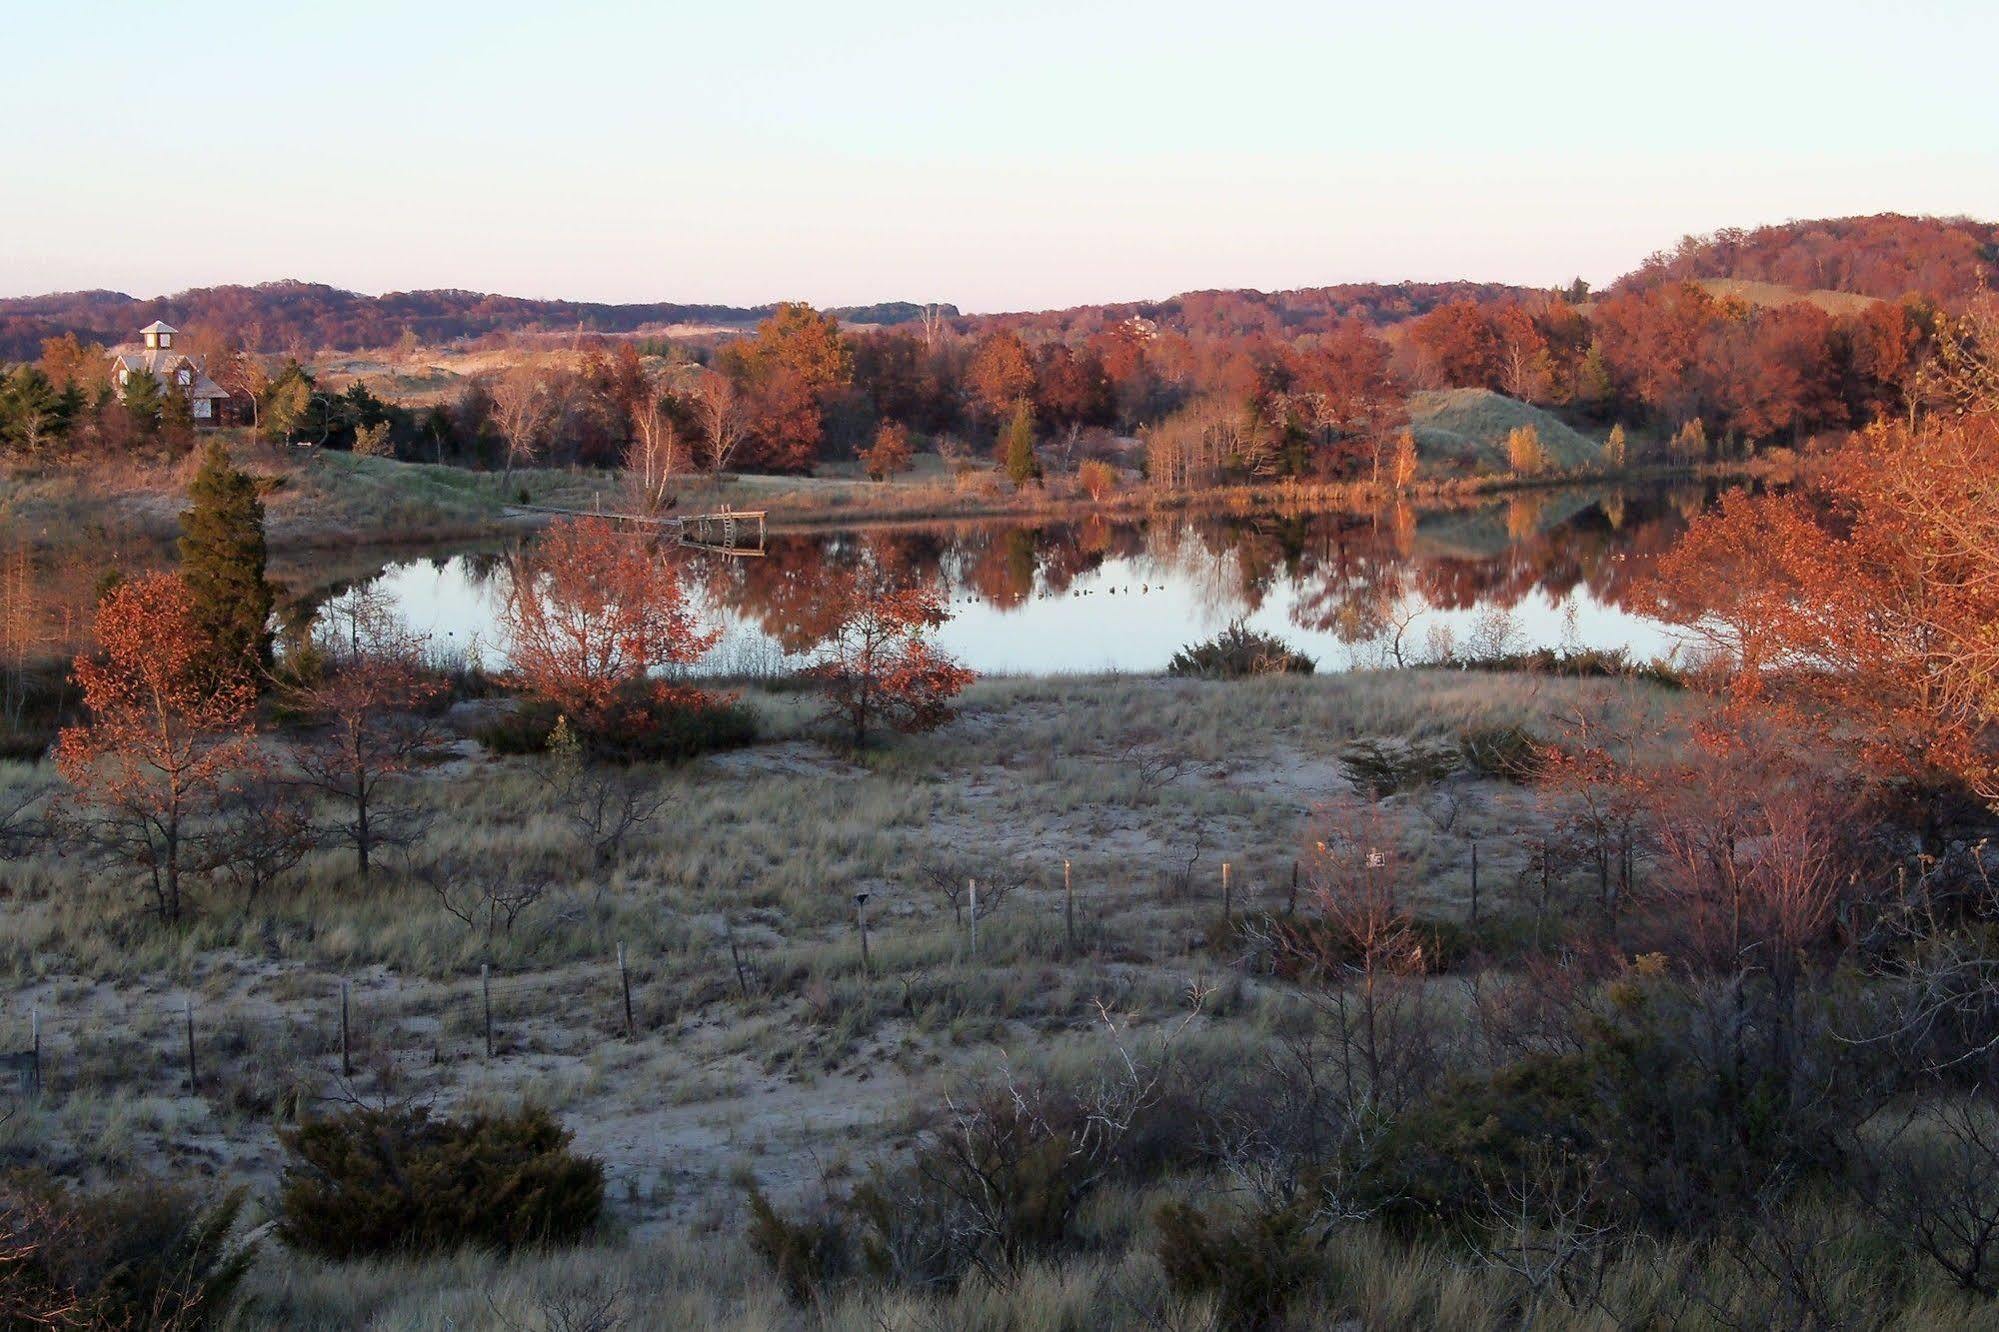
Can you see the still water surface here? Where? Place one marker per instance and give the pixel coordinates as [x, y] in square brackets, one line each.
[1553, 569]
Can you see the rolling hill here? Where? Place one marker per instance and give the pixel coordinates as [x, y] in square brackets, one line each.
[1467, 428]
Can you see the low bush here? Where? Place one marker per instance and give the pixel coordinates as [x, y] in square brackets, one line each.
[139, 1255]
[807, 1256]
[1254, 1264]
[399, 1181]
[1239, 652]
[1000, 1184]
[684, 727]
[1383, 767]
[1510, 753]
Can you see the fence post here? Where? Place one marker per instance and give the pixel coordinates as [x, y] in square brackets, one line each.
[187, 1011]
[346, 1037]
[486, 989]
[35, 1083]
[1291, 908]
[625, 984]
[972, 889]
[736, 956]
[1068, 910]
[1228, 895]
[1474, 879]
[861, 918]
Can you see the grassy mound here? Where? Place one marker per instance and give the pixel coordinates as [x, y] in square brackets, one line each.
[1467, 428]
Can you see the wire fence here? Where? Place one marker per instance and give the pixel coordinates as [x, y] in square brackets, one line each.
[327, 1033]
[339, 1028]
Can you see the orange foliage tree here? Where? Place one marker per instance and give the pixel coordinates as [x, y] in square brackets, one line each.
[1871, 595]
[787, 371]
[877, 665]
[165, 737]
[890, 452]
[595, 622]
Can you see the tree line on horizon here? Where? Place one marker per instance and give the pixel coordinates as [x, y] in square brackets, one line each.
[1228, 386]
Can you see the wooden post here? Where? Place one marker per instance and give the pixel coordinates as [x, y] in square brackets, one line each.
[625, 984]
[187, 1011]
[346, 1037]
[486, 988]
[1228, 895]
[1291, 909]
[736, 956]
[1068, 910]
[1474, 879]
[35, 1075]
[972, 889]
[861, 918]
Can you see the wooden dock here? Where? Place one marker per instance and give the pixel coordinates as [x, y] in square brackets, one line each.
[726, 532]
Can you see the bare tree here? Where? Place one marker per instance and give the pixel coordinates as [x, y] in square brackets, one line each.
[656, 453]
[724, 418]
[520, 411]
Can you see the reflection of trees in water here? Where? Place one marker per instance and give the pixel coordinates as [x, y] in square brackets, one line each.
[1348, 575]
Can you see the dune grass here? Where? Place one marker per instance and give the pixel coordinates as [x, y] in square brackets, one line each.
[1467, 428]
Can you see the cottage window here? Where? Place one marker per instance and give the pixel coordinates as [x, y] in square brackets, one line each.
[185, 376]
[201, 409]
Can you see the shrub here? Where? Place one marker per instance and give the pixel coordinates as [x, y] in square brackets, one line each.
[1238, 652]
[660, 729]
[1383, 767]
[1507, 752]
[1097, 478]
[141, 1255]
[522, 729]
[1254, 1264]
[398, 1181]
[805, 1256]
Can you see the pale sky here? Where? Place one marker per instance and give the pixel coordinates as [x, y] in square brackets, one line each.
[999, 157]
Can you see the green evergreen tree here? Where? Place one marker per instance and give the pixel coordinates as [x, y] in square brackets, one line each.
[1017, 454]
[222, 559]
[144, 401]
[33, 415]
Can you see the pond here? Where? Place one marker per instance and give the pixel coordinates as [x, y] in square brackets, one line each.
[1549, 568]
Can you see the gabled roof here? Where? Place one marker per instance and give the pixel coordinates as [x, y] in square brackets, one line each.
[162, 364]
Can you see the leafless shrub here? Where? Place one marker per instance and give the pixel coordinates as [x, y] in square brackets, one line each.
[489, 897]
[1541, 1222]
[1934, 1183]
[591, 1307]
[262, 830]
[605, 805]
[951, 883]
[1152, 760]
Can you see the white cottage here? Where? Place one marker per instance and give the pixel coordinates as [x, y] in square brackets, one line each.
[176, 371]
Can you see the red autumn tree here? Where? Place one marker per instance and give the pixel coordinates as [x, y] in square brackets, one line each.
[368, 704]
[164, 739]
[1347, 393]
[1460, 347]
[787, 372]
[1871, 597]
[890, 452]
[877, 666]
[1001, 374]
[596, 622]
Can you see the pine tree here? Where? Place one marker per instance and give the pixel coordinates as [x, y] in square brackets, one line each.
[222, 559]
[1017, 454]
[144, 401]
